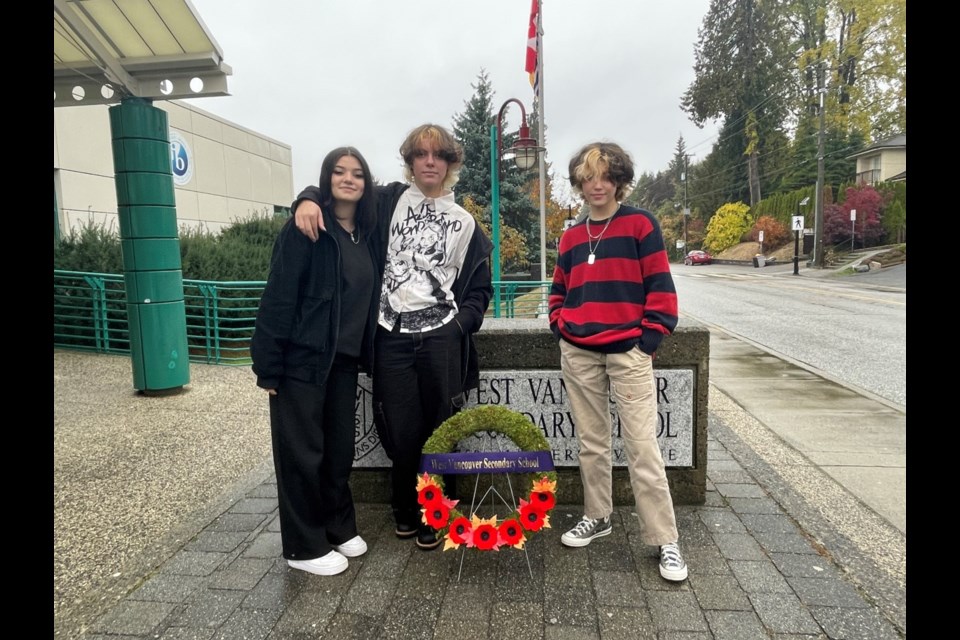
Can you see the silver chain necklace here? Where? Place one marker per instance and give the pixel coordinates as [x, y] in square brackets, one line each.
[354, 236]
[590, 238]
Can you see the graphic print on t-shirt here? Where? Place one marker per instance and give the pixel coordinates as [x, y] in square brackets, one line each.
[417, 265]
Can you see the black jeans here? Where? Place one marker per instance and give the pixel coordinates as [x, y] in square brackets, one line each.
[416, 386]
[312, 427]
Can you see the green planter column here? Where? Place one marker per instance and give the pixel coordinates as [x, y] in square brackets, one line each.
[151, 249]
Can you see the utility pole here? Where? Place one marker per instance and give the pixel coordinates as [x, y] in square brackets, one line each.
[686, 209]
[818, 250]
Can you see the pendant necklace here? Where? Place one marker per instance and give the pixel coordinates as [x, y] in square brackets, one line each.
[592, 257]
[354, 238]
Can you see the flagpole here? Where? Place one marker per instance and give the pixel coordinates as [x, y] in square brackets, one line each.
[543, 159]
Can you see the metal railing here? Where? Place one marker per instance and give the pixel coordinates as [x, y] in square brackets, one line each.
[870, 176]
[90, 313]
[519, 299]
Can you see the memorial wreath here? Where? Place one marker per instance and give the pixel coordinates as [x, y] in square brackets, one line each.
[530, 516]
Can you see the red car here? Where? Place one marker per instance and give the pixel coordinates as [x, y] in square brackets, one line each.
[697, 257]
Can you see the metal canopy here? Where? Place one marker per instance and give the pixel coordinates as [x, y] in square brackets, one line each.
[107, 50]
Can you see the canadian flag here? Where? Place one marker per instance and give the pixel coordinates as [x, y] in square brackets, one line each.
[533, 46]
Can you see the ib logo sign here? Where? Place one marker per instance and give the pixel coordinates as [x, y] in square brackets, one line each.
[181, 159]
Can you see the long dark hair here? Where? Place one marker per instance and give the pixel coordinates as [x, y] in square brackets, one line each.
[366, 218]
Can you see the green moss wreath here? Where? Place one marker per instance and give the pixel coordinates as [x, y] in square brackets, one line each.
[532, 514]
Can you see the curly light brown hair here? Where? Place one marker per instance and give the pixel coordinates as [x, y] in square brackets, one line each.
[602, 159]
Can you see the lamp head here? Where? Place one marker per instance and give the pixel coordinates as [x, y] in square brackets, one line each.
[525, 150]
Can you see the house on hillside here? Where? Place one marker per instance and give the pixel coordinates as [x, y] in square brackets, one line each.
[883, 160]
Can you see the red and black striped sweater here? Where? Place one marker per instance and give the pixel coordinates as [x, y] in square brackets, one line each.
[626, 297]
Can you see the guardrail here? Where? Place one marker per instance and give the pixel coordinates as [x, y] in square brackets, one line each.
[90, 313]
[519, 299]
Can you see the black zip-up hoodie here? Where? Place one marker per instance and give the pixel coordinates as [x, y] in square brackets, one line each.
[298, 322]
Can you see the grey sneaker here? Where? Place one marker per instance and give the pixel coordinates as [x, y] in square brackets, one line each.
[672, 566]
[585, 531]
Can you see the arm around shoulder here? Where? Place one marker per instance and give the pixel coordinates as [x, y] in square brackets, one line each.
[307, 214]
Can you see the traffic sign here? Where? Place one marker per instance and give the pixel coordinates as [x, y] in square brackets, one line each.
[798, 223]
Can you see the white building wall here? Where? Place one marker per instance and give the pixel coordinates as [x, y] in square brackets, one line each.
[236, 173]
[892, 162]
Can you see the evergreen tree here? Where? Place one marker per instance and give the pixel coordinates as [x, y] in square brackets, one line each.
[471, 127]
[743, 64]
[838, 145]
[652, 190]
[472, 130]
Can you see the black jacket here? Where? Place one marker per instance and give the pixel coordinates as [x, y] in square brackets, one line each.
[472, 289]
[298, 322]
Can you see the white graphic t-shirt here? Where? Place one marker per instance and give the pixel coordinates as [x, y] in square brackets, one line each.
[425, 253]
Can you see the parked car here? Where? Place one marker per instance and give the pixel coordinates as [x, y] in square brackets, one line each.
[698, 257]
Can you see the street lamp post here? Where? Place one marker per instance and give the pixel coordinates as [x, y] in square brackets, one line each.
[525, 154]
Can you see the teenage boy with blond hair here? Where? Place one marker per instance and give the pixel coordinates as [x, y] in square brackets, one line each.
[611, 303]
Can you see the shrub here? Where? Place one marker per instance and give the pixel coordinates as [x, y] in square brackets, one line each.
[241, 252]
[894, 218]
[866, 229]
[726, 226]
[775, 234]
[92, 247]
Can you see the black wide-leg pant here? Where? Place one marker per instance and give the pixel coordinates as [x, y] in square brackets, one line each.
[312, 428]
[416, 387]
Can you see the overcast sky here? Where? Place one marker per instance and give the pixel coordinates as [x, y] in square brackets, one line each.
[317, 74]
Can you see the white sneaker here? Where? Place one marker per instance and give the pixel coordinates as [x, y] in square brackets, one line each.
[352, 548]
[328, 565]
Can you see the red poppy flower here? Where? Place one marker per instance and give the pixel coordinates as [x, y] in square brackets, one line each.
[531, 517]
[486, 537]
[427, 489]
[436, 515]
[511, 533]
[429, 494]
[543, 500]
[460, 530]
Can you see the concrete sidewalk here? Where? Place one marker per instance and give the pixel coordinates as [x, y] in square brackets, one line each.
[165, 523]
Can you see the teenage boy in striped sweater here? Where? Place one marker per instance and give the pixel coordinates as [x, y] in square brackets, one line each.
[611, 303]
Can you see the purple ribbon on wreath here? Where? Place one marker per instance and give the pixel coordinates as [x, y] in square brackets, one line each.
[486, 462]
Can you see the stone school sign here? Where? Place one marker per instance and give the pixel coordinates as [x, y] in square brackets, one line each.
[520, 370]
[541, 396]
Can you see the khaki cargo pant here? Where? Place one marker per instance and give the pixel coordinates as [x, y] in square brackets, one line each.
[589, 377]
